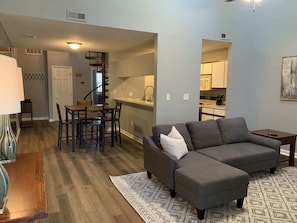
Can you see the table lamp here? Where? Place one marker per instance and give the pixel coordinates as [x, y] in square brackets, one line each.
[10, 104]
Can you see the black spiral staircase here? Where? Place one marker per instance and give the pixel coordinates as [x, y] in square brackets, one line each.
[99, 60]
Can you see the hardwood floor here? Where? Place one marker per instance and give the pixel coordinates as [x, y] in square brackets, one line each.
[78, 187]
[77, 184]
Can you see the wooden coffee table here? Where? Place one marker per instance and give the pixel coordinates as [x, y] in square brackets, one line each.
[284, 137]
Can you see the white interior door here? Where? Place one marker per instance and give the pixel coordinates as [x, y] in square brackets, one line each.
[61, 88]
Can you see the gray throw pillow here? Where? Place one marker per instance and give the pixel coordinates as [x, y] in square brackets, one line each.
[165, 129]
[204, 134]
[233, 130]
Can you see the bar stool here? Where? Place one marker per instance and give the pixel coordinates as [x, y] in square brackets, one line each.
[92, 126]
[61, 124]
[116, 121]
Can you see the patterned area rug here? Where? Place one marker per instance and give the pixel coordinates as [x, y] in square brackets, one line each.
[271, 198]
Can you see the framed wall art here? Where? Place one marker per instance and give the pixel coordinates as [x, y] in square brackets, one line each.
[289, 79]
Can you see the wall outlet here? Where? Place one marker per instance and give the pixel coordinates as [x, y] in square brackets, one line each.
[114, 91]
[130, 94]
[131, 122]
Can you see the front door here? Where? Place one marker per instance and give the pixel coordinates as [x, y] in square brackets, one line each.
[61, 88]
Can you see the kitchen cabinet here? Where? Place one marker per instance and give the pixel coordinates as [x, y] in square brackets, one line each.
[140, 65]
[226, 74]
[212, 113]
[219, 74]
[218, 71]
[206, 68]
[205, 82]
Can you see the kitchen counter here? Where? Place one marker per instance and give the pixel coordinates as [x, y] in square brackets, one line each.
[135, 101]
[211, 104]
[137, 117]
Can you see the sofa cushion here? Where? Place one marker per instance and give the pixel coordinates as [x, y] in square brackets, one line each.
[219, 177]
[233, 130]
[204, 134]
[174, 143]
[240, 155]
[165, 129]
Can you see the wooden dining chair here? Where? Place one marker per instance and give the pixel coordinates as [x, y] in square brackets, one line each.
[92, 126]
[84, 102]
[61, 124]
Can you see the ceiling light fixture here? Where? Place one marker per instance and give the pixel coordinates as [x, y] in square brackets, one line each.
[74, 45]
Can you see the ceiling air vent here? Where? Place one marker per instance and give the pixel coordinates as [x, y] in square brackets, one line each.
[76, 16]
[5, 50]
[35, 52]
[8, 51]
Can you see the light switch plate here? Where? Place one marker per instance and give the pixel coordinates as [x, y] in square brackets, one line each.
[168, 97]
[186, 97]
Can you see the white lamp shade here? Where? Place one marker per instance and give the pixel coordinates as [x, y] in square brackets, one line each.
[21, 84]
[9, 92]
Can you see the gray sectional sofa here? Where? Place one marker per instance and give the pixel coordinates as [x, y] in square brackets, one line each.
[214, 169]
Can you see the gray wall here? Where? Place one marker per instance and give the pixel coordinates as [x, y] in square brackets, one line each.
[80, 65]
[35, 79]
[37, 74]
[259, 41]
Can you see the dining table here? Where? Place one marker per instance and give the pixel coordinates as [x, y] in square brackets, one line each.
[74, 110]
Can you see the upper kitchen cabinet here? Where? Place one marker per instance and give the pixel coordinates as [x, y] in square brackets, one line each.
[139, 65]
[206, 68]
[219, 74]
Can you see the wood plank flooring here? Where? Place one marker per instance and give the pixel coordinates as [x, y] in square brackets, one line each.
[77, 184]
[78, 187]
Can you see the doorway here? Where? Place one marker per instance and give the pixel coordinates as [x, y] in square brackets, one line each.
[97, 86]
[213, 79]
[61, 88]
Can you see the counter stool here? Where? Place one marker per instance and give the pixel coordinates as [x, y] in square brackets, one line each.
[116, 121]
[61, 124]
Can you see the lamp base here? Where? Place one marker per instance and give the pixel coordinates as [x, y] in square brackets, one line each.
[2, 209]
[7, 161]
[8, 142]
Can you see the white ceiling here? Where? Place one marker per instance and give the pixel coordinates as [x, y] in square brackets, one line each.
[44, 34]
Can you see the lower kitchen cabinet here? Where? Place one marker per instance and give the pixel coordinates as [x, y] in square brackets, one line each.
[212, 113]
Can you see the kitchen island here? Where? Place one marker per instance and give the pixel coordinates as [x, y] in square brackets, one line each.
[137, 117]
[210, 110]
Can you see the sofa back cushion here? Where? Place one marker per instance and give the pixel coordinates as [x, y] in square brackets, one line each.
[165, 129]
[204, 134]
[233, 130]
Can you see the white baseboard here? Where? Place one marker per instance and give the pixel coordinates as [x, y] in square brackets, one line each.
[286, 153]
[131, 136]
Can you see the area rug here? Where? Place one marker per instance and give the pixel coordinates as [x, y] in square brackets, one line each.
[272, 198]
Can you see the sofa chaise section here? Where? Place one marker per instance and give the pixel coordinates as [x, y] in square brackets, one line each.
[205, 188]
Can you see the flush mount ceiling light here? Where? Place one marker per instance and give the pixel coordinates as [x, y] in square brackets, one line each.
[74, 45]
